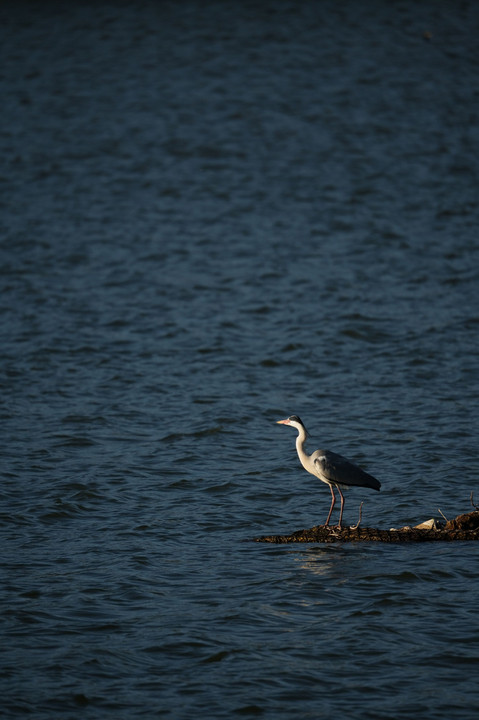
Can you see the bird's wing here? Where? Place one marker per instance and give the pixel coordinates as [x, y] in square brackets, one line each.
[336, 469]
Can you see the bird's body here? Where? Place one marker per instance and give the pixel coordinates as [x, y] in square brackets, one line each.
[330, 468]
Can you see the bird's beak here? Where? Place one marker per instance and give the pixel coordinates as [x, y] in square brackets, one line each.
[282, 422]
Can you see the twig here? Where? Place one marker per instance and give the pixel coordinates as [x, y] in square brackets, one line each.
[445, 518]
[355, 527]
[476, 507]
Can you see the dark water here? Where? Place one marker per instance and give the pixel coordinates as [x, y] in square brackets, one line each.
[214, 215]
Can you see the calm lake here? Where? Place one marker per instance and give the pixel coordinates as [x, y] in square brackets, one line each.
[215, 215]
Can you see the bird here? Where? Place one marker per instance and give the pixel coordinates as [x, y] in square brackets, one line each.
[330, 468]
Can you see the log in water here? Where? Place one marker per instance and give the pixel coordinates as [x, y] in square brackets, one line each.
[463, 527]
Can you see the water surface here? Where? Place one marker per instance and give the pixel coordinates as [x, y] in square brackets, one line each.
[215, 215]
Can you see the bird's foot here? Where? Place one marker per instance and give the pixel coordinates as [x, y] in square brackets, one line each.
[334, 531]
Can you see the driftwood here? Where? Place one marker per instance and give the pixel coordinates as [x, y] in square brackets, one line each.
[463, 527]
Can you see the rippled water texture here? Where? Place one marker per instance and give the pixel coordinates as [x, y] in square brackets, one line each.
[215, 215]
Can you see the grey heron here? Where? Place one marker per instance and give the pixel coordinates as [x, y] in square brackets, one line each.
[330, 468]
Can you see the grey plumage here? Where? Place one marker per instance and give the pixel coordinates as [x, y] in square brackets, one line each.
[330, 468]
[335, 468]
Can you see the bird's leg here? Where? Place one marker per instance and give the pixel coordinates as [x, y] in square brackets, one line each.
[342, 508]
[332, 505]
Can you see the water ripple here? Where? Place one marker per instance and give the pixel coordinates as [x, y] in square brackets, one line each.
[214, 217]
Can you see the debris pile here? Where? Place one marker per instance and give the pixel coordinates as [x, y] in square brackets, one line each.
[463, 527]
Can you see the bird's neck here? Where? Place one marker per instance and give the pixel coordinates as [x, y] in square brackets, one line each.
[300, 440]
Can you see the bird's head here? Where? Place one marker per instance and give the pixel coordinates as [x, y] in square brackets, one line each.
[294, 421]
